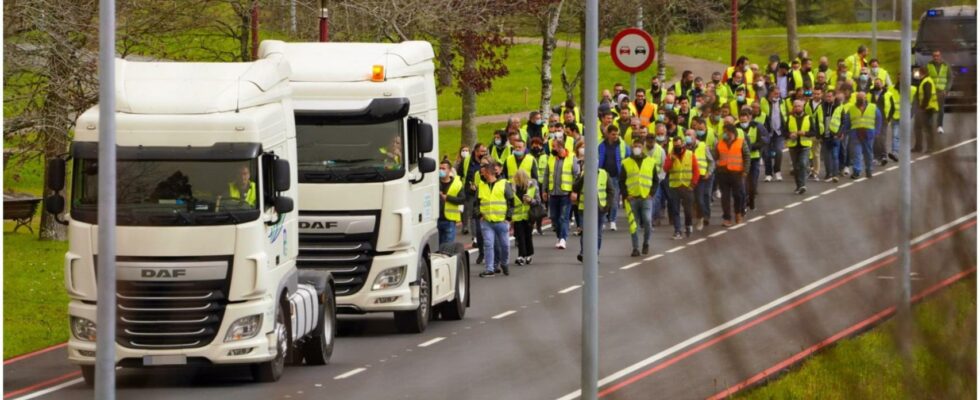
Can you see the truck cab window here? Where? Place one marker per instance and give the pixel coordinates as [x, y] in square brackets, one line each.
[349, 151]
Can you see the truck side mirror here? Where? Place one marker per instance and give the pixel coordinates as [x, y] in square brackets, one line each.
[283, 204]
[281, 180]
[424, 138]
[56, 176]
[427, 165]
[54, 204]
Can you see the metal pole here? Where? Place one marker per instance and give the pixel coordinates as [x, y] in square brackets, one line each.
[905, 171]
[874, 29]
[734, 31]
[639, 24]
[590, 250]
[105, 321]
[324, 25]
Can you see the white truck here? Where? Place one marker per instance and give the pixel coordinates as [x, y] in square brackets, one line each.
[366, 129]
[207, 234]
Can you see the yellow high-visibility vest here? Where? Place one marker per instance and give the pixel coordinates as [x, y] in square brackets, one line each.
[527, 164]
[939, 76]
[452, 209]
[493, 201]
[250, 196]
[639, 178]
[933, 102]
[806, 141]
[522, 209]
[566, 174]
[863, 120]
[601, 187]
[682, 170]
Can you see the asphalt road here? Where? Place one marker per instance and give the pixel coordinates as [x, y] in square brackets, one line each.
[693, 319]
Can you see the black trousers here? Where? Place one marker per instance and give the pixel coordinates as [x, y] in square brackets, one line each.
[522, 235]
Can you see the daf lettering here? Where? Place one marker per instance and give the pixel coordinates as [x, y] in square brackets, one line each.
[318, 225]
[163, 273]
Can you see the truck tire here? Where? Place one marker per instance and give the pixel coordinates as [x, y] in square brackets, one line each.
[415, 321]
[319, 346]
[88, 374]
[271, 371]
[455, 309]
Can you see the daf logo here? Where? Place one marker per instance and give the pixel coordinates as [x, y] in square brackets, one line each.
[317, 224]
[163, 273]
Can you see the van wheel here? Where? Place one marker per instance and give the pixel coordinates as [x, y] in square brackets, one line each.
[456, 309]
[319, 347]
[415, 321]
[271, 371]
[88, 374]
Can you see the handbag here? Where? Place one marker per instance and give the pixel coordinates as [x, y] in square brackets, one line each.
[537, 212]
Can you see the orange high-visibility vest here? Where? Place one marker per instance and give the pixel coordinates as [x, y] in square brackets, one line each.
[730, 156]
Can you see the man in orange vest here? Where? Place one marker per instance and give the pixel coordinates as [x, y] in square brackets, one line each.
[732, 155]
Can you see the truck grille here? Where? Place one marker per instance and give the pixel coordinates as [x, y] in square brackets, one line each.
[348, 261]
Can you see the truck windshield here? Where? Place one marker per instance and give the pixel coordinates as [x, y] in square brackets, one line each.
[947, 33]
[331, 152]
[187, 192]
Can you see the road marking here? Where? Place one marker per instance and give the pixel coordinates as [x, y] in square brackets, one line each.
[628, 266]
[757, 218]
[877, 173]
[955, 146]
[694, 242]
[862, 179]
[758, 311]
[891, 168]
[350, 373]
[846, 185]
[566, 290]
[774, 212]
[678, 248]
[653, 257]
[432, 342]
[828, 191]
[922, 157]
[738, 226]
[812, 198]
[791, 205]
[503, 314]
[716, 234]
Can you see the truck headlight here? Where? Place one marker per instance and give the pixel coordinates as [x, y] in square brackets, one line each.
[389, 278]
[82, 329]
[244, 328]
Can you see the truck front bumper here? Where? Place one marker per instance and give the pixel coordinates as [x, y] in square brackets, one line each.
[404, 297]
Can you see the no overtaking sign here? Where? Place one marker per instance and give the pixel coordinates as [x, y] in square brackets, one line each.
[632, 50]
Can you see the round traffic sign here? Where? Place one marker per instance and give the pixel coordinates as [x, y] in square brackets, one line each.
[632, 50]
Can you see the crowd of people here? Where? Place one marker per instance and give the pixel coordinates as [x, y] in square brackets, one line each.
[673, 150]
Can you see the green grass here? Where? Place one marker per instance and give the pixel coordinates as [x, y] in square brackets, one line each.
[869, 366]
[35, 306]
[450, 138]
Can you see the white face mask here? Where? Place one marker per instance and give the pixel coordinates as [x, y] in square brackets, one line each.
[465, 154]
[637, 151]
[559, 135]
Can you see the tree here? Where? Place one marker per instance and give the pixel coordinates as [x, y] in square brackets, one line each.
[672, 16]
[548, 19]
[791, 37]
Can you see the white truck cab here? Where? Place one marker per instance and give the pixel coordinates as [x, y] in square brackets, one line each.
[366, 130]
[207, 234]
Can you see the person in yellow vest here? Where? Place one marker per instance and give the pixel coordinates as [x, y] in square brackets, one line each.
[451, 199]
[740, 100]
[243, 188]
[496, 204]
[569, 107]
[814, 108]
[639, 177]
[606, 197]
[557, 131]
[741, 65]
[392, 154]
[526, 196]
[732, 153]
[684, 86]
[942, 79]
[684, 173]
[706, 165]
[799, 139]
[892, 114]
[879, 72]
[514, 127]
[644, 109]
[863, 121]
[625, 123]
[833, 106]
[500, 148]
[927, 110]
[879, 97]
[520, 160]
[541, 160]
[558, 179]
[855, 62]
[757, 138]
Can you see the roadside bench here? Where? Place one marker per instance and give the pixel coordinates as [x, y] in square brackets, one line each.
[20, 208]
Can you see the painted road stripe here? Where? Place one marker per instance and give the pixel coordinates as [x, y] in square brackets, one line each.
[891, 168]
[628, 266]
[350, 373]
[694, 242]
[504, 314]
[653, 257]
[955, 146]
[716, 234]
[763, 309]
[846, 185]
[812, 198]
[922, 157]
[828, 191]
[678, 248]
[432, 342]
[791, 205]
[862, 179]
[739, 226]
[774, 212]
[563, 291]
[757, 218]
[57, 387]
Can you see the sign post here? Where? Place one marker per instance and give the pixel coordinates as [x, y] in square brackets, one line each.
[632, 51]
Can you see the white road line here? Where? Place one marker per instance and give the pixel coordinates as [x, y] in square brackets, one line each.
[757, 218]
[846, 185]
[653, 257]
[763, 309]
[955, 146]
[828, 191]
[563, 291]
[791, 205]
[891, 168]
[350, 373]
[877, 173]
[922, 157]
[628, 266]
[432, 342]
[812, 198]
[774, 212]
[678, 248]
[862, 179]
[694, 242]
[716, 234]
[739, 226]
[57, 387]
[503, 314]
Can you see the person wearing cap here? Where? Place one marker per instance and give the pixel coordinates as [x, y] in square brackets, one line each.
[683, 175]
[799, 139]
[495, 201]
[862, 122]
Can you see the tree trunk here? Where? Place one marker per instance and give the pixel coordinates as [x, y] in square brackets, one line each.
[791, 36]
[662, 59]
[444, 73]
[243, 39]
[469, 104]
[548, 44]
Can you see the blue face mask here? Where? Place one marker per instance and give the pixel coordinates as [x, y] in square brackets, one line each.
[688, 141]
[660, 117]
[518, 153]
[540, 122]
[442, 173]
[740, 98]
[498, 142]
[669, 106]
[701, 134]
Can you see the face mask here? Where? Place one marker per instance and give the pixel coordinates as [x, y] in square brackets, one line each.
[465, 154]
[823, 68]
[498, 142]
[759, 84]
[715, 118]
[864, 78]
[662, 138]
[678, 149]
[656, 87]
[716, 81]
[688, 140]
[860, 103]
[874, 71]
[668, 106]
[744, 125]
[701, 134]
[518, 153]
[540, 122]
[443, 173]
[637, 151]
[747, 68]
[559, 135]
[740, 99]
[535, 150]
[660, 117]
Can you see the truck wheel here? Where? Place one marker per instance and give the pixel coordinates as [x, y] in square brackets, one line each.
[271, 371]
[415, 321]
[319, 347]
[456, 309]
[88, 374]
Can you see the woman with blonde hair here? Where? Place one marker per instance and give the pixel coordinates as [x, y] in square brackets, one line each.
[526, 196]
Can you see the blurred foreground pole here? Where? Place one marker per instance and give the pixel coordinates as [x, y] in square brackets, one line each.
[903, 308]
[105, 321]
[590, 245]
[639, 24]
[734, 31]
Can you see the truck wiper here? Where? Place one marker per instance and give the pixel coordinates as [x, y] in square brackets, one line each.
[220, 215]
[371, 175]
[318, 176]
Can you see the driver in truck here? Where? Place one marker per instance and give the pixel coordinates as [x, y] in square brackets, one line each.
[243, 184]
[393, 153]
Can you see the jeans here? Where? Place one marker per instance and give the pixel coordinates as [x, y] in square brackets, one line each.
[896, 136]
[861, 150]
[879, 149]
[496, 244]
[559, 207]
[660, 199]
[467, 214]
[752, 184]
[522, 235]
[680, 197]
[831, 156]
[614, 201]
[702, 196]
[447, 231]
[801, 160]
[773, 155]
[642, 213]
[581, 239]
[731, 186]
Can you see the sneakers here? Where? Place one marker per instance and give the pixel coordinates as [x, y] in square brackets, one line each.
[768, 178]
[506, 270]
[706, 221]
[612, 226]
[779, 177]
[883, 161]
[527, 260]
[635, 253]
[801, 190]
[560, 244]
[717, 194]
[846, 171]
[687, 231]
[579, 257]
[893, 156]
[834, 179]
[497, 270]
[940, 130]
[868, 174]
[519, 261]
[578, 232]
[678, 236]
[646, 249]
[739, 218]
[699, 225]
[487, 274]
[855, 176]
[727, 223]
